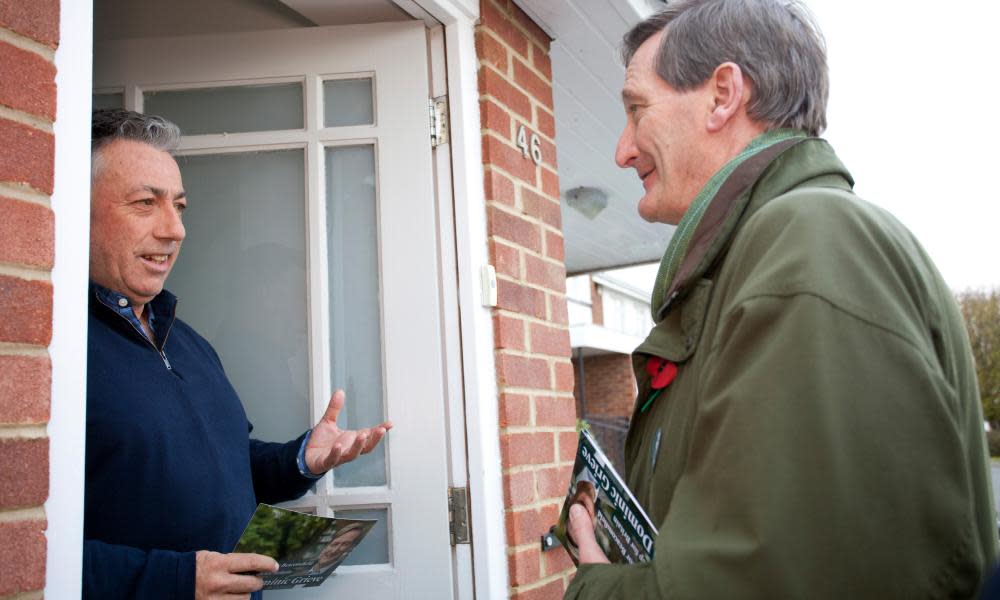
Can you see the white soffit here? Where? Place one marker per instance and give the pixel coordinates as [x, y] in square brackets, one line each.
[587, 77]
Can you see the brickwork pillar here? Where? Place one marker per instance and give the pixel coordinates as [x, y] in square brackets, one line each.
[535, 377]
[29, 34]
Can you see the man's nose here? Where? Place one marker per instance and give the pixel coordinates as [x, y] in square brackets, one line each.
[170, 225]
[626, 151]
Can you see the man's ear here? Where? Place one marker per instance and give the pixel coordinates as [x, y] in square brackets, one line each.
[730, 94]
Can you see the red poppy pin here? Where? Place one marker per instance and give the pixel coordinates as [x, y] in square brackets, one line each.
[661, 370]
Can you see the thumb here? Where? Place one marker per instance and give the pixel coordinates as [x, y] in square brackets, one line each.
[333, 409]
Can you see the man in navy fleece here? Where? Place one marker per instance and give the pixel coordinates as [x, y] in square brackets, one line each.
[172, 475]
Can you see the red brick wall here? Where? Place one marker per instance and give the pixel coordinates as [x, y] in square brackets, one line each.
[29, 33]
[608, 385]
[535, 377]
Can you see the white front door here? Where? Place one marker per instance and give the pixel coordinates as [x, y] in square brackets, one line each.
[311, 259]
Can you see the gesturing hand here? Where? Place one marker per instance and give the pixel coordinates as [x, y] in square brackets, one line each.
[581, 529]
[330, 446]
[223, 575]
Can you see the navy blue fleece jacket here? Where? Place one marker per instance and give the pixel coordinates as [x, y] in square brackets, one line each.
[170, 466]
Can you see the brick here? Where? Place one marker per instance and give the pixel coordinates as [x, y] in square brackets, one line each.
[36, 19]
[542, 61]
[550, 183]
[22, 554]
[552, 590]
[524, 566]
[29, 82]
[514, 228]
[549, 154]
[27, 156]
[24, 472]
[529, 525]
[515, 410]
[535, 33]
[523, 371]
[494, 84]
[545, 122]
[494, 117]
[25, 311]
[492, 18]
[536, 87]
[505, 259]
[545, 209]
[564, 376]
[498, 187]
[554, 246]
[520, 298]
[555, 561]
[553, 482]
[28, 233]
[499, 154]
[25, 389]
[552, 341]
[596, 304]
[519, 488]
[491, 51]
[567, 445]
[508, 332]
[555, 411]
[545, 273]
[518, 449]
[558, 312]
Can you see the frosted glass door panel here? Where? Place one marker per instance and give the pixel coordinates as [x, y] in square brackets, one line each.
[355, 330]
[235, 109]
[241, 279]
[348, 102]
[110, 100]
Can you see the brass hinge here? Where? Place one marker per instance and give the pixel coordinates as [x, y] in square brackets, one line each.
[458, 515]
[439, 120]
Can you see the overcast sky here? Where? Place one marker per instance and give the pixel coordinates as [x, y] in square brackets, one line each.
[915, 115]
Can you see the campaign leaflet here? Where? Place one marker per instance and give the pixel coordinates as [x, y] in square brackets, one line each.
[621, 526]
[308, 548]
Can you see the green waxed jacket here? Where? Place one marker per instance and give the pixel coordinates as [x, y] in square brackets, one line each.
[823, 437]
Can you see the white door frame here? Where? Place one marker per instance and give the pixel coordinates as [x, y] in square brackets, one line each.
[70, 201]
[64, 508]
[475, 322]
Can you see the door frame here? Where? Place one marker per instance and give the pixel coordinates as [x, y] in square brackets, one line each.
[468, 326]
[472, 322]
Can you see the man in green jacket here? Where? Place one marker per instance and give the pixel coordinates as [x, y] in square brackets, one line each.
[807, 422]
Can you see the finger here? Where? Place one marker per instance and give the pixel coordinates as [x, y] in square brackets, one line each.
[242, 584]
[245, 562]
[373, 439]
[581, 529]
[360, 439]
[334, 407]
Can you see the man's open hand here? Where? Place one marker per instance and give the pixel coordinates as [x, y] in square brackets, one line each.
[581, 529]
[330, 446]
[227, 575]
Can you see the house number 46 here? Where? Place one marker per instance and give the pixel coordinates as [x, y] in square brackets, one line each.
[534, 148]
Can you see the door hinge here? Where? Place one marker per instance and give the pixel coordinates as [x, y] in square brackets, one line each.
[458, 515]
[439, 120]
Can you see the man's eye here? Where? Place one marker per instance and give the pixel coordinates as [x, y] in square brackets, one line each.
[146, 201]
[181, 207]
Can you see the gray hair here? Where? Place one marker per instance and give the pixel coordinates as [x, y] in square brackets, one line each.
[110, 124]
[776, 44]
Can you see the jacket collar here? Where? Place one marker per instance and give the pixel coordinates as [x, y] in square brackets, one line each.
[162, 310]
[771, 172]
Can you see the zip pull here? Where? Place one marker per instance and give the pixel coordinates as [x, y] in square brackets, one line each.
[163, 355]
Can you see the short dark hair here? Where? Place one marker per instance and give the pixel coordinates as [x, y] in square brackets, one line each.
[776, 44]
